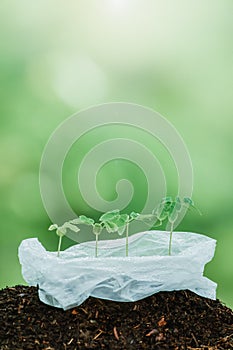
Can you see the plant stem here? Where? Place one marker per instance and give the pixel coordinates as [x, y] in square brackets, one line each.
[59, 245]
[127, 240]
[170, 240]
[96, 245]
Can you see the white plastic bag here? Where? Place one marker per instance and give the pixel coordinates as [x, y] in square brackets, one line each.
[68, 280]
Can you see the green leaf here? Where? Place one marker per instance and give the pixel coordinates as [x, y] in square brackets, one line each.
[163, 209]
[188, 201]
[76, 221]
[117, 223]
[146, 217]
[121, 230]
[53, 227]
[97, 228]
[110, 215]
[167, 206]
[85, 220]
[110, 227]
[122, 220]
[82, 219]
[134, 215]
[167, 200]
[71, 227]
[124, 217]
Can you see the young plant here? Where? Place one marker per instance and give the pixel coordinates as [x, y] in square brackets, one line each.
[114, 221]
[96, 228]
[61, 231]
[169, 209]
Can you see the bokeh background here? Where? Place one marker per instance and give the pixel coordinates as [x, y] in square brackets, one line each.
[59, 57]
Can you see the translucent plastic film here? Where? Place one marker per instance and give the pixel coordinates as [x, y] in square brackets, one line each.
[68, 280]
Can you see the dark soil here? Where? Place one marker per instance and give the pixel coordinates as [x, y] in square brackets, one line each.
[167, 320]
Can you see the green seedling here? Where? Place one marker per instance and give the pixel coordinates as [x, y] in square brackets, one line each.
[114, 221]
[61, 231]
[96, 228]
[73, 226]
[169, 209]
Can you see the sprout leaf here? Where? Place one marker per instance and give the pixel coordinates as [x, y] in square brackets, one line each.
[110, 215]
[53, 227]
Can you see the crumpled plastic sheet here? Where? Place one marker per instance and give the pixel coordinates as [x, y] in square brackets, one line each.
[68, 280]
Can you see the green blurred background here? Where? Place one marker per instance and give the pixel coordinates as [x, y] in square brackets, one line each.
[58, 57]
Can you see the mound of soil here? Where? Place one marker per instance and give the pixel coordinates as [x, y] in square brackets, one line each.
[167, 320]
